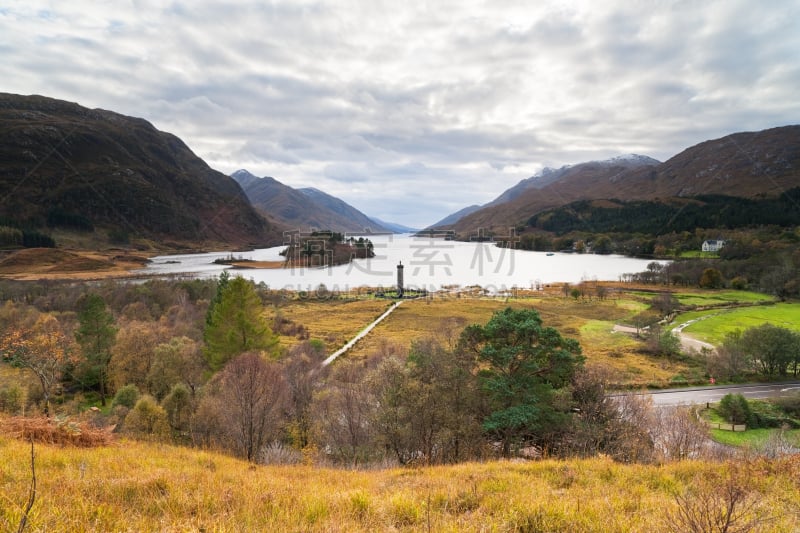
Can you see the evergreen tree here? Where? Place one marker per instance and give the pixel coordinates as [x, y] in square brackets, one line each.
[96, 334]
[222, 284]
[522, 364]
[237, 325]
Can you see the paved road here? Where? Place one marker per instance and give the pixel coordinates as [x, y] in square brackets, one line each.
[701, 395]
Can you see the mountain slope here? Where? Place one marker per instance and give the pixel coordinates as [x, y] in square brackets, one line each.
[356, 218]
[69, 165]
[302, 208]
[747, 164]
[551, 188]
[552, 175]
[455, 217]
[394, 227]
[743, 164]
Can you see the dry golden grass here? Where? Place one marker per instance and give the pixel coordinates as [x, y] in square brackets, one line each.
[334, 322]
[443, 318]
[134, 486]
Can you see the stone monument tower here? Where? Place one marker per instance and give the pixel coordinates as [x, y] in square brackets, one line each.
[400, 279]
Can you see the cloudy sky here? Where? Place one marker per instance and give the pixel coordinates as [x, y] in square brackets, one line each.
[410, 110]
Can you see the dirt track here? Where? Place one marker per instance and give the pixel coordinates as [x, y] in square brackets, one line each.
[688, 343]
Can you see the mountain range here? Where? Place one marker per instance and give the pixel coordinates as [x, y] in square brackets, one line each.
[746, 165]
[306, 208]
[96, 172]
[63, 166]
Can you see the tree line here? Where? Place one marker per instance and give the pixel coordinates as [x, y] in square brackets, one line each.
[672, 215]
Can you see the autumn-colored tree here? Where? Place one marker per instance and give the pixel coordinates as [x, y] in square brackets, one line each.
[132, 354]
[178, 361]
[427, 407]
[44, 349]
[711, 279]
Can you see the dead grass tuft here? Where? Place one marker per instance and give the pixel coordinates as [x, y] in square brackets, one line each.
[56, 431]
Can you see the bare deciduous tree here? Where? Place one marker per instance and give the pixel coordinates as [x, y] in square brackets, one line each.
[342, 414]
[630, 432]
[251, 395]
[678, 433]
[304, 370]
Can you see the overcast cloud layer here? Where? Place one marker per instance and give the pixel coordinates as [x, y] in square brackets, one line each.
[412, 110]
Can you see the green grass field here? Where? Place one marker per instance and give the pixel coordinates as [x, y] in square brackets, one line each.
[698, 254]
[715, 324]
[705, 298]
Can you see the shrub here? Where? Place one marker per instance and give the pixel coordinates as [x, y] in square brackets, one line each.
[126, 396]
[12, 399]
[277, 453]
[178, 405]
[739, 283]
[769, 415]
[789, 404]
[736, 409]
[147, 419]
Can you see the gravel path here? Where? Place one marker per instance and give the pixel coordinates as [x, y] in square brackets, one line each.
[363, 333]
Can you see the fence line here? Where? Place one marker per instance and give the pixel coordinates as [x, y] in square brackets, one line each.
[727, 427]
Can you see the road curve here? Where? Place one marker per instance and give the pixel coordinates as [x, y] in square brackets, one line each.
[688, 343]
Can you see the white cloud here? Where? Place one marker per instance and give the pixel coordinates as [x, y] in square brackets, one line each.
[411, 110]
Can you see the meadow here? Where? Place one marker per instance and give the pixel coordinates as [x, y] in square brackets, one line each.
[136, 486]
[712, 325]
[442, 318]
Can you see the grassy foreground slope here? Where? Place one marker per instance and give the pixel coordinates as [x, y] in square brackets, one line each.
[134, 486]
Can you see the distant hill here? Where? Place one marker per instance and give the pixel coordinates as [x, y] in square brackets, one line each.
[302, 208]
[357, 220]
[746, 165]
[63, 166]
[393, 227]
[451, 219]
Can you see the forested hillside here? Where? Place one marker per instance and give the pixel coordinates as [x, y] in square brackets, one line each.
[66, 167]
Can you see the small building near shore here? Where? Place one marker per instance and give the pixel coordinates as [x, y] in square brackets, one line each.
[713, 245]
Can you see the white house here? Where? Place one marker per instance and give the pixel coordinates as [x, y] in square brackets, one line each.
[713, 246]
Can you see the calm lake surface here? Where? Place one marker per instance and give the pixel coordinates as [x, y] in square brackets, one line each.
[428, 263]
